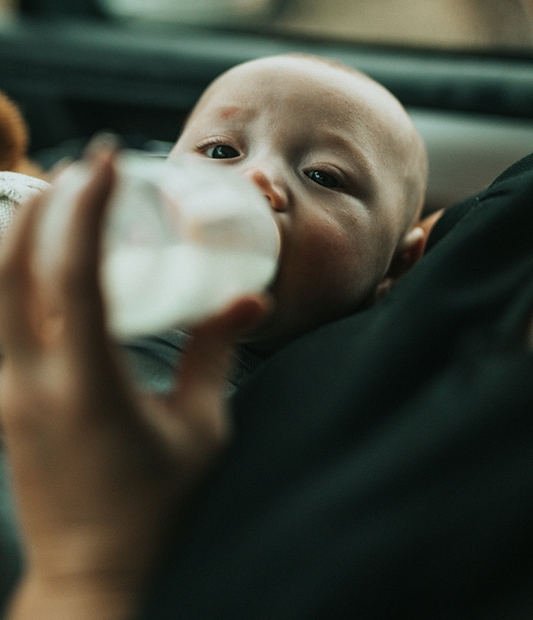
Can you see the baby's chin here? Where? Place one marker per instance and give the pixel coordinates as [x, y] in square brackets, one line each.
[262, 337]
[272, 332]
[275, 331]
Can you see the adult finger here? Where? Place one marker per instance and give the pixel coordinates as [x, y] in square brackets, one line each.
[79, 288]
[201, 385]
[19, 299]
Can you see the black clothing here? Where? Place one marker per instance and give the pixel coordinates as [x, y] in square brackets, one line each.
[383, 464]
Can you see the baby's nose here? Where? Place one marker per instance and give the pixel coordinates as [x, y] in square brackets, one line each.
[269, 186]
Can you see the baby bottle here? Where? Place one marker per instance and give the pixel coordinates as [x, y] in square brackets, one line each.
[181, 238]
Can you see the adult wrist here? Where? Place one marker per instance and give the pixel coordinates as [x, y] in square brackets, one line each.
[107, 597]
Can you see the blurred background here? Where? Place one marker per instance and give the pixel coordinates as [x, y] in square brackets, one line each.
[479, 24]
[463, 68]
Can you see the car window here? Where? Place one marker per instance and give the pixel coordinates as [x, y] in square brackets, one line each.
[492, 25]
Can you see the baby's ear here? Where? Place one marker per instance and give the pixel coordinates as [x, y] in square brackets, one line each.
[409, 251]
[411, 247]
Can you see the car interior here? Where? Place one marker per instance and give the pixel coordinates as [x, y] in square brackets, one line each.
[463, 69]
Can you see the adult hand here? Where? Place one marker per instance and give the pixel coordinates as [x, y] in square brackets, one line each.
[99, 474]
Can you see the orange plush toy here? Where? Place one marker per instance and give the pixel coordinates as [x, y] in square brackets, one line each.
[14, 140]
[19, 176]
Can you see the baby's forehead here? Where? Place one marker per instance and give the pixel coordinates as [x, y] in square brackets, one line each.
[285, 83]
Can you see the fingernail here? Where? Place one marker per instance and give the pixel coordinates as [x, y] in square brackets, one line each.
[103, 141]
[58, 167]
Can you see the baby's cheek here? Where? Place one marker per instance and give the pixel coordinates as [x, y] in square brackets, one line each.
[331, 255]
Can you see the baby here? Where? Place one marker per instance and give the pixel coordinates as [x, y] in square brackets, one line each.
[344, 170]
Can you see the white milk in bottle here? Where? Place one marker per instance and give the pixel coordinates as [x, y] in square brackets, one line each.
[181, 239]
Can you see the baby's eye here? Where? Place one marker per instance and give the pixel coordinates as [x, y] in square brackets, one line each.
[323, 178]
[221, 151]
